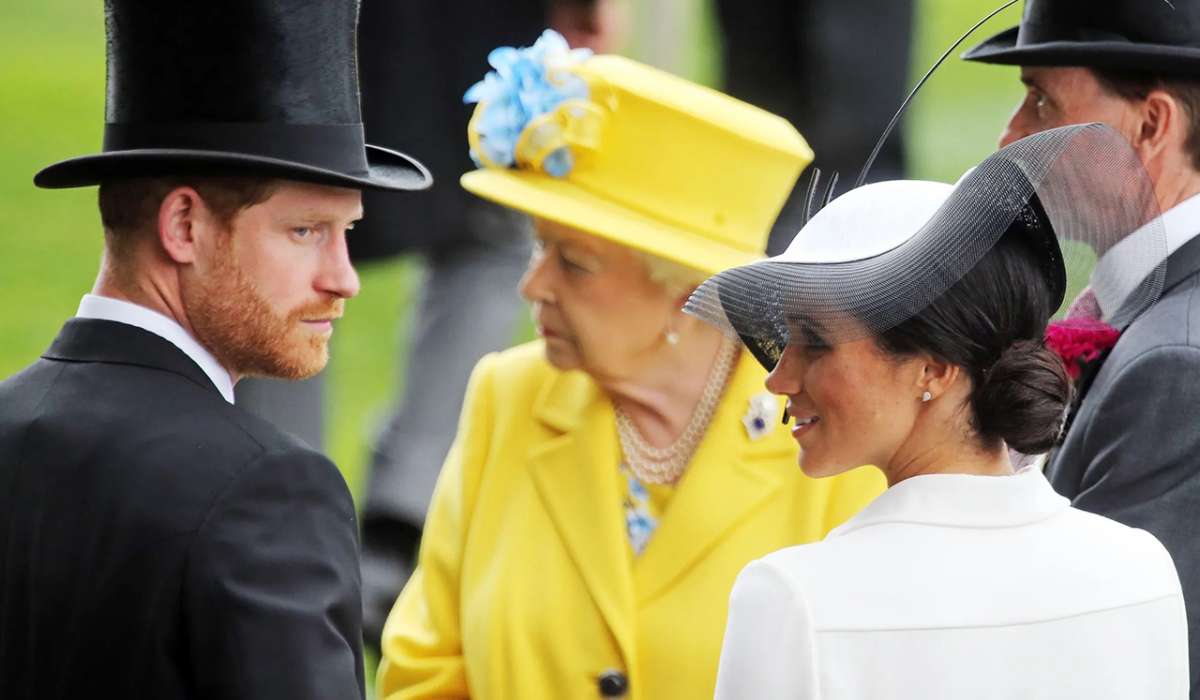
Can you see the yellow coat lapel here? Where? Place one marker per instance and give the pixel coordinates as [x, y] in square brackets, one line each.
[575, 472]
[729, 476]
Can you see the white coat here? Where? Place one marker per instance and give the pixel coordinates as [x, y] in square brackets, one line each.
[957, 586]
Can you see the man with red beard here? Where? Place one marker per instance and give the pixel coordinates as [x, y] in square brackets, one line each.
[156, 540]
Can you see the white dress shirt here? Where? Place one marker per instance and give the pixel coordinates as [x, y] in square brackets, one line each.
[956, 586]
[1120, 269]
[109, 309]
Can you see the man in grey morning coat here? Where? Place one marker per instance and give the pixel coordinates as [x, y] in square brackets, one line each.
[1132, 447]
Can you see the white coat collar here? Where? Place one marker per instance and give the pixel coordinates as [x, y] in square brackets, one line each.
[962, 500]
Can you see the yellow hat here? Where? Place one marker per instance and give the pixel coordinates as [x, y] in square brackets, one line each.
[662, 165]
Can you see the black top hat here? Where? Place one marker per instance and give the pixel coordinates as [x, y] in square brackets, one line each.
[1156, 36]
[255, 87]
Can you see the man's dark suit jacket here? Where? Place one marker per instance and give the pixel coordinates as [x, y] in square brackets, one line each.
[158, 542]
[1133, 450]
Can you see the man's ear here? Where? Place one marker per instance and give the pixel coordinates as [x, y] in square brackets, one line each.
[1162, 125]
[181, 213]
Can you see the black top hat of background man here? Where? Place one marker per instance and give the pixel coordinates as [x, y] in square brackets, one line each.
[1155, 36]
[235, 87]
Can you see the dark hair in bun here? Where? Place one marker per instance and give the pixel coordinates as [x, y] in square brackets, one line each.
[991, 323]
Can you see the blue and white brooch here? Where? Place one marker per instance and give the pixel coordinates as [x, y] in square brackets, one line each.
[760, 417]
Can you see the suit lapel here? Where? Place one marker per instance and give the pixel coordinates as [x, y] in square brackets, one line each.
[1181, 265]
[1082, 385]
[575, 473]
[95, 340]
[729, 476]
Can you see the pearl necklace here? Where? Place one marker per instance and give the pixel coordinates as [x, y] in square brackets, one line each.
[664, 465]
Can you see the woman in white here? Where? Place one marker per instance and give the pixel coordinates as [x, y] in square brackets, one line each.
[904, 325]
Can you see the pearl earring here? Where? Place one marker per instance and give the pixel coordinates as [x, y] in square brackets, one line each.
[670, 333]
[926, 397]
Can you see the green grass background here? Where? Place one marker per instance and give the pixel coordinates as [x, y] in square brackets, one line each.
[52, 106]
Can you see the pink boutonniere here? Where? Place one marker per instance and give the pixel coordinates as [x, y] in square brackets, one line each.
[1079, 341]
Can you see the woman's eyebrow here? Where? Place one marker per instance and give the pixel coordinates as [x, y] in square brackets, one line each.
[809, 329]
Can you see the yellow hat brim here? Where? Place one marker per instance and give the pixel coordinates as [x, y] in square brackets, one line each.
[566, 203]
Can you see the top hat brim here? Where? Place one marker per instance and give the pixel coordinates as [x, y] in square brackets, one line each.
[386, 169]
[1157, 58]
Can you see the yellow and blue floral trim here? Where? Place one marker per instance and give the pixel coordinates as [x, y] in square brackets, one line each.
[533, 111]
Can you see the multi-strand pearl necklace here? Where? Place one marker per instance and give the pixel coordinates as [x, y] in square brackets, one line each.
[664, 465]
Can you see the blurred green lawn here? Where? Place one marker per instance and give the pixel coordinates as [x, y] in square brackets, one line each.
[51, 107]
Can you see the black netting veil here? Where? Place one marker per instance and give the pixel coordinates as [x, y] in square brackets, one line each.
[1079, 193]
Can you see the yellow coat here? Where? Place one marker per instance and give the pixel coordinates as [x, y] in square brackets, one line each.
[527, 587]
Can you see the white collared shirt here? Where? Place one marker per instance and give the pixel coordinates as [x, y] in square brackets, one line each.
[1119, 271]
[109, 309]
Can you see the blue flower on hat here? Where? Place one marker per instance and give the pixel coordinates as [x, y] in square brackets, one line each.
[524, 84]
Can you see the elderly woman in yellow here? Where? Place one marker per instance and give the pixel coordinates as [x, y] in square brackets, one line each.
[610, 480]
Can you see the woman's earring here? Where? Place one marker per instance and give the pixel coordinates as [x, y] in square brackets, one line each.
[671, 335]
[926, 397]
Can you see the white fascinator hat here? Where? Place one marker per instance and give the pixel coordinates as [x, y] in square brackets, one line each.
[879, 254]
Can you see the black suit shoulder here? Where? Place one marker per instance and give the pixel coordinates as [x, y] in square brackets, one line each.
[134, 498]
[149, 429]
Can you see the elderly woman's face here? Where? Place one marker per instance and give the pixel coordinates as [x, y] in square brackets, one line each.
[851, 404]
[593, 302]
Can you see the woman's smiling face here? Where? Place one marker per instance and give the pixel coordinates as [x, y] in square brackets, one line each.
[851, 403]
